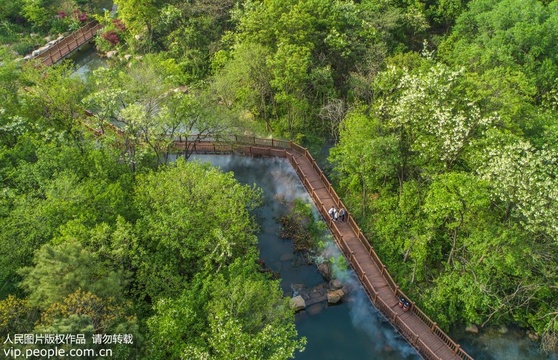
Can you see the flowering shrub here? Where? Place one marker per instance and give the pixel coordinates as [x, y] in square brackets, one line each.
[80, 16]
[111, 36]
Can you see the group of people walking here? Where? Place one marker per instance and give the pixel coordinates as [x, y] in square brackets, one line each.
[337, 214]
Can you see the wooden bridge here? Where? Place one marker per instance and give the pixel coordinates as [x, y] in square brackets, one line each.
[419, 330]
[59, 50]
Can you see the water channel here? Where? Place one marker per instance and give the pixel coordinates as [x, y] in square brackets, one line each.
[86, 59]
[353, 329]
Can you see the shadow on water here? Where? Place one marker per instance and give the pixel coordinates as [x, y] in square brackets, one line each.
[351, 330]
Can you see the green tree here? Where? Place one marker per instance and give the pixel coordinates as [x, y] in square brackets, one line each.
[138, 15]
[237, 314]
[513, 34]
[11, 10]
[367, 158]
[38, 12]
[53, 99]
[12, 125]
[244, 82]
[48, 184]
[311, 48]
[149, 118]
[454, 204]
[192, 217]
[191, 32]
[62, 269]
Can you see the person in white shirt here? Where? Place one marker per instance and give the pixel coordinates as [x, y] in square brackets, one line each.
[331, 212]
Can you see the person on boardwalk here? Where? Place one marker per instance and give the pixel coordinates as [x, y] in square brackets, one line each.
[343, 215]
[331, 212]
[335, 215]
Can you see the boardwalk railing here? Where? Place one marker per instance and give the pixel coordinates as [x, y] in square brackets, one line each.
[273, 147]
[69, 44]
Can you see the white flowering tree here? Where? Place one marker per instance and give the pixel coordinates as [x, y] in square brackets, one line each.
[460, 206]
[525, 181]
[433, 114]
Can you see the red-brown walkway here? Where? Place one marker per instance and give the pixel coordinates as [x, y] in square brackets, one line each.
[69, 44]
[419, 330]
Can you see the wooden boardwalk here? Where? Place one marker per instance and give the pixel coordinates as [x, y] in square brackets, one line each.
[69, 44]
[419, 330]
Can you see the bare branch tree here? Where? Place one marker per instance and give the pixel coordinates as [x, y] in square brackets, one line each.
[332, 113]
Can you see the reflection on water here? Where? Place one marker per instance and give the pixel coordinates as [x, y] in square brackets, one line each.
[350, 330]
[86, 60]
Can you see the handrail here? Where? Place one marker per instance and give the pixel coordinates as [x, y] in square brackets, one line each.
[68, 44]
[413, 338]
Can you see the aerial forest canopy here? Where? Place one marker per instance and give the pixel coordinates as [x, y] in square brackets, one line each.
[444, 118]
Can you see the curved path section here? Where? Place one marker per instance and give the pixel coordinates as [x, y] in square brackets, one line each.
[419, 330]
